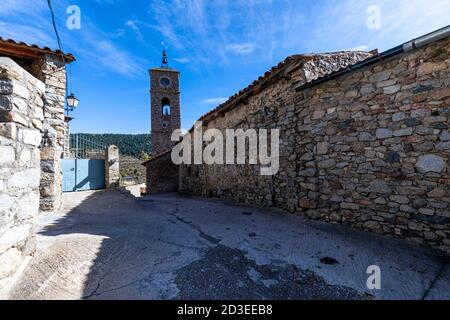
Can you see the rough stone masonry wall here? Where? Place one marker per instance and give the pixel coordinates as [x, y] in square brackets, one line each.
[379, 142]
[21, 116]
[112, 167]
[273, 107]
[50, 70]
[163, 125]
[368, 149]
[162, 175]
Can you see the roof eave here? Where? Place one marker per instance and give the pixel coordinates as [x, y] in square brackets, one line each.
[31, 52]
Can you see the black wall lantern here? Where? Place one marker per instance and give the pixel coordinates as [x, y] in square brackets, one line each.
[72, 101]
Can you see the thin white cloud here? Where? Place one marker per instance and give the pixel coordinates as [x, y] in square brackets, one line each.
[214, 32]
[114, 59]
[29, 21]
[209, 32]
[344, 24]
[241, 48]
[215, 100]
[182, 60]
[26, 21]
[19, 6]
[27, 34]
[119, 33]
[134, 25]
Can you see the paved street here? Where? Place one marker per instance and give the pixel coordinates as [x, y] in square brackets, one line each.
[109, 245]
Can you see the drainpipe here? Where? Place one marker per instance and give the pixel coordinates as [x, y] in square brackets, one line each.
[427, 39]
[406, 47]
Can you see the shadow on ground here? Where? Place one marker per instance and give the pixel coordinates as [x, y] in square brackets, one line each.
[226, 273]
[112, 246]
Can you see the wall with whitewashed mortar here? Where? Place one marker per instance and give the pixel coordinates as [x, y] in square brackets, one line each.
[21, 123]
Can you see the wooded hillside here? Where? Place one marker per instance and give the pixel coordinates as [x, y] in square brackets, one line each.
[134, 145]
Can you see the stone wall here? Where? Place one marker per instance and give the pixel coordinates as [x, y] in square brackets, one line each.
[51, 71]
[270, 105]
[112, 167]
[162, 175]
[369, 149]
[21, 116]
[66, 153]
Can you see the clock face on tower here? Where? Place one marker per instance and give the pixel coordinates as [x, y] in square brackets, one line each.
[165, 82]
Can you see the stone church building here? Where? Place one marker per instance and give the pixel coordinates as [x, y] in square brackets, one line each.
[162, 174]
[365, 139]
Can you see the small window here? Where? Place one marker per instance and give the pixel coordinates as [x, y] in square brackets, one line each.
[165, 107]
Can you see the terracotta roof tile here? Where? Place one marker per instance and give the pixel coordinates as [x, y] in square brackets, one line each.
[274, 71]
[35, 48]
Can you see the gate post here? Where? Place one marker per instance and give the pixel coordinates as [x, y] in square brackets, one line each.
[112, 167]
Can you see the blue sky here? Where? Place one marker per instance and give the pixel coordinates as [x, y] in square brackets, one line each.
[220, 46]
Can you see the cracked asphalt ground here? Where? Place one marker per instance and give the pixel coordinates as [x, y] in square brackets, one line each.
[109, 245]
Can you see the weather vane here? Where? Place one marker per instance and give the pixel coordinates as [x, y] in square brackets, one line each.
[165, 59]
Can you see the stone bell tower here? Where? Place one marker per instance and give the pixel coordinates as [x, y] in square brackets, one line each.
[165, 105]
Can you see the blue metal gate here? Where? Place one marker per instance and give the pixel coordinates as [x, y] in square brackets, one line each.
[86, 168]
[83, 174]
